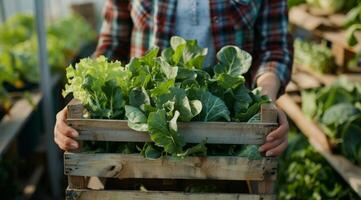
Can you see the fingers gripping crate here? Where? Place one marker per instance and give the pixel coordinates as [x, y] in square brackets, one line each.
[90, 170]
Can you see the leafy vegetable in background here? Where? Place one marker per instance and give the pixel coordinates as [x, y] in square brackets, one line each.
[305, 175]
[155, 92]
[337, 108]
[19, 49]
[16, 29]
[353, 24]
[329, 6]
[7, 75]
[18, 38]
[317, 57]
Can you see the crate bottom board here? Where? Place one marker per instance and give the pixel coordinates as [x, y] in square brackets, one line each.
[85, 194]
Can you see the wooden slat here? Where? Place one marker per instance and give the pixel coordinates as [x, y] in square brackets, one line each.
[350, 172]
[298, 15]
[193, 132]
[305, 81]
[325, 79]
[78, 194]
[136, 166]
[292, 87]
[12, 123]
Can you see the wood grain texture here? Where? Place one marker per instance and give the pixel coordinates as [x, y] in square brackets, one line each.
[193, 132]
[136, 166]
[81, 194]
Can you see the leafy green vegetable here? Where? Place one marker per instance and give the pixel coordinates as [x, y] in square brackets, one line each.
[304, 174]
[16, 29]
[155, 92]
[136, 118]
[336, 108]
[317, 57]
[100, 86]
[163, 134]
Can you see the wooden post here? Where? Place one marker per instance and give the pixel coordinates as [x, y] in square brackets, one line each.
[267, 185]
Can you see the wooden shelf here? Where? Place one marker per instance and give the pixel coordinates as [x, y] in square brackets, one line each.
[350, 172]
[19, 114]
[12, 123]
[329, 28]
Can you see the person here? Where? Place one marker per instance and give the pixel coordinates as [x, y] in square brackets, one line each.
[260, 27]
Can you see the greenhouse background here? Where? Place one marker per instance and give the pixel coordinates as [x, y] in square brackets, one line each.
[39, 39]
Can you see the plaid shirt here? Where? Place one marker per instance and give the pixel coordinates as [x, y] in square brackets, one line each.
[130, 28]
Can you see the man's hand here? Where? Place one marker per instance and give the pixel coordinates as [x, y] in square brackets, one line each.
[64, 134]
[277, 140]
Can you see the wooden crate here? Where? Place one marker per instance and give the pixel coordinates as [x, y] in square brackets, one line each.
[89, 170]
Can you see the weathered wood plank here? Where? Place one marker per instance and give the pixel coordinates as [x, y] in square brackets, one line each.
[12, 123]
[269, 114]
[136, 166]
[78, 182]
[305, 81]
[193, 132]
[350, 172]
[78, 194]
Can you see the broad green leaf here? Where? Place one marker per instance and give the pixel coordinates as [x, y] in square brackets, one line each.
[232, 61]
[162, 88]
[169, 71]
[149, 151]
[136, 118]
[196, 107]
[138, 96]
[213, 108]
[149, 57]
[173, 122]
[171, 141]
[352, 141]
[339, 114]
[243, 99]
[227, 81]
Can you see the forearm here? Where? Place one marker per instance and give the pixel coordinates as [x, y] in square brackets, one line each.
[269, 84]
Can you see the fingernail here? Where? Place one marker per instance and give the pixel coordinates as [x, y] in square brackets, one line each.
[260, 149]
[75, 134]
[74, 145]
[269, 153]
[270, 138]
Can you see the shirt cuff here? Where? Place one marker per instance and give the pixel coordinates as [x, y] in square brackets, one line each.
[281, 70]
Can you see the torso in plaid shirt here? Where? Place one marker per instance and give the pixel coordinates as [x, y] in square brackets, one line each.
[130, 28]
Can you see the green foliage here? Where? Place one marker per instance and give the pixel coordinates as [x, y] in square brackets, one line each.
[305, 174]
[19, 48]
[16, 29]
[337, 109]
[155, 92]
[317, 57]
[329, 6]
